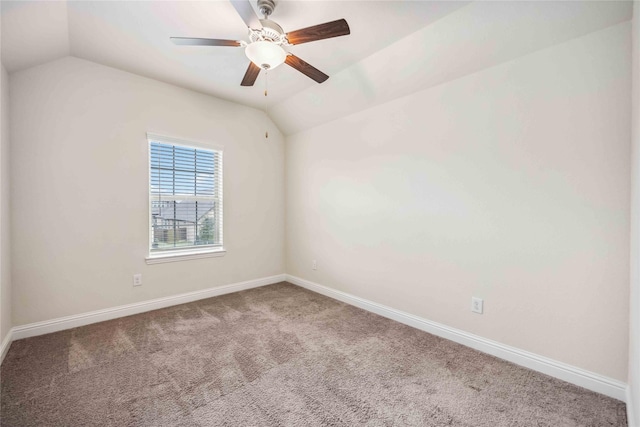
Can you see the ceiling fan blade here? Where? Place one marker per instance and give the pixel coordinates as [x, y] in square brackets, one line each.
[305, 68]
[244, 9]
[251, 75]
[188, 41]
[319, 32]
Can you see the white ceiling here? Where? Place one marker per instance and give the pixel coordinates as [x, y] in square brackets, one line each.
[134, 36]
[395, 47]
[478, 36]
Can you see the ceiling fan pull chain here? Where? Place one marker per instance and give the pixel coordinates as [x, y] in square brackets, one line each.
[268, 43]
[266, 103]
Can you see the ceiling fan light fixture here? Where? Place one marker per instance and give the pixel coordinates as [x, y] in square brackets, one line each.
[266, 55]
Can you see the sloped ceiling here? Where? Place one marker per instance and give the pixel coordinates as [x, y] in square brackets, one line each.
[478, 36]
[395, 47]
[33, 33]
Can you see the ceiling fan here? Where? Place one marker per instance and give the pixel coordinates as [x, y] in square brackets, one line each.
[267, 44]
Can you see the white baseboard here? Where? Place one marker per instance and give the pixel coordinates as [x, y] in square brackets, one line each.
[632, 421]
[580, 377]
[571, 374]
[62, 323]
[6, 343]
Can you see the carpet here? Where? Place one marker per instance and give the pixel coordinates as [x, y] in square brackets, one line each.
[278, 355]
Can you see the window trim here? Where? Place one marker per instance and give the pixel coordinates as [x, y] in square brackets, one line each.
[184, 255]
[191, 252]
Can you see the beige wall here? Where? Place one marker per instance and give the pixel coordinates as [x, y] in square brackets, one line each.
[80, 188]
[634, 317]
[5, 231]
[511, 184]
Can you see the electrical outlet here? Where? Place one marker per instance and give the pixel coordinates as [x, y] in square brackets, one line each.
[137, 279]
[314, 265]
[476, 305]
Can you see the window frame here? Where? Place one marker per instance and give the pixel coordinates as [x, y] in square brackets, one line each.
[188, 252]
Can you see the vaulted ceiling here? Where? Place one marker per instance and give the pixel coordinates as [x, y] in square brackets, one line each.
[395, 47]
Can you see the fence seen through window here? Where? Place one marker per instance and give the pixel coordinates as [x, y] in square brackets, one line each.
[185, 194]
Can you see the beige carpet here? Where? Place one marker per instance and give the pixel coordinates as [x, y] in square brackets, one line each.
[277, 356]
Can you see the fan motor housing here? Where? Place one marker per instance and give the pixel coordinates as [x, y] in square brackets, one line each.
[271, 32]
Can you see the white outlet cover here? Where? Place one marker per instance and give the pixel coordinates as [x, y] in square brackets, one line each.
[477, 305]
[137, 280]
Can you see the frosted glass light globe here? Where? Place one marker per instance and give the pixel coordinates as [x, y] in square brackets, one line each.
[266, 55]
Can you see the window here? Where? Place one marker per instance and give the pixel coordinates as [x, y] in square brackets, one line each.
[185, 198]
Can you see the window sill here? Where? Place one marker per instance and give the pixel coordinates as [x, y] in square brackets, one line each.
[183, 256]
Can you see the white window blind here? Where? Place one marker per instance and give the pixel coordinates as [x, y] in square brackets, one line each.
[185, 196]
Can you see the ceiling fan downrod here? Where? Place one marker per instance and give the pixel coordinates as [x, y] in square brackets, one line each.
[266, 7]
[267, 40]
